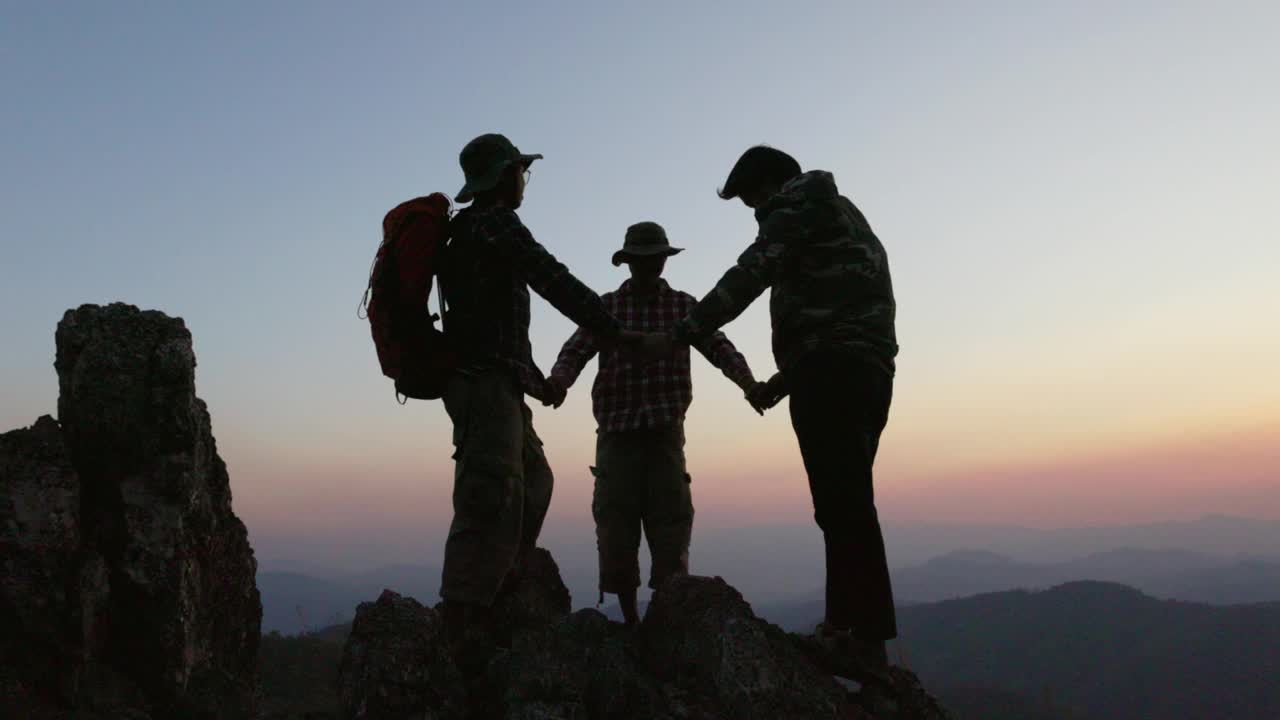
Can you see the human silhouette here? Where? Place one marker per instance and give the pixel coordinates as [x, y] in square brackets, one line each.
[640, 475]
[832, 311]
[502, 482]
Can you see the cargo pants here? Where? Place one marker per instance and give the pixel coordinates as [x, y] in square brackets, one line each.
[641, 483]
[501, 487]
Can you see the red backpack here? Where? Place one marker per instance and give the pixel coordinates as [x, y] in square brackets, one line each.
[411, 350]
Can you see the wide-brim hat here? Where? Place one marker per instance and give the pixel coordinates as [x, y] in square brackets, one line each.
[645, 239]
[483, 162]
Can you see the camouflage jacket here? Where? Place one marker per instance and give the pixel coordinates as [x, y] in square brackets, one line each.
[828, 271]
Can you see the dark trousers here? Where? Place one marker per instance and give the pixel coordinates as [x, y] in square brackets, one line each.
[839, 407]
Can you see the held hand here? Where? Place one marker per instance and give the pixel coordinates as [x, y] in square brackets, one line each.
[554, 394]
[656, 346]
[768, 394]
[645, 347]
[777, 389]
[630, 344]
[630, 340]
[751, 394]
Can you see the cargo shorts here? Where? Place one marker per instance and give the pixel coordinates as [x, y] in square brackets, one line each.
[501, 487]
[641, 483]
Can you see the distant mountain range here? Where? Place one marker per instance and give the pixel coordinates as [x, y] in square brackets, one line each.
[1168, 574]
[781, 565]
[1221, 560]
[293, 603]
[1096, 650]
[1173, 574]
[1222, 535]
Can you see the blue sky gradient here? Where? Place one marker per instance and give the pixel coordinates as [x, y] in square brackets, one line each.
[1077, 199]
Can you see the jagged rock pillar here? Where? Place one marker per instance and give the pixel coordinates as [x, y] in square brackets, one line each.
[129, 557]
[182, 612]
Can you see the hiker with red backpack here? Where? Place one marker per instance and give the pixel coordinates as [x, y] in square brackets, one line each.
[502, 482]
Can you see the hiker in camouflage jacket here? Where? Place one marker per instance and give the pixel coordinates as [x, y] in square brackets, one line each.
[832, 311]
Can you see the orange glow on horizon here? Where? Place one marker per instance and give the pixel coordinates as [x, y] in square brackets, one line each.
[1179, 475]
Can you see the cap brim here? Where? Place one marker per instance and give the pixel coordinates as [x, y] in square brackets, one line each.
[623, 255]
[468, 191]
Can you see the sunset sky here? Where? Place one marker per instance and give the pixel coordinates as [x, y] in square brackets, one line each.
[1078, 201]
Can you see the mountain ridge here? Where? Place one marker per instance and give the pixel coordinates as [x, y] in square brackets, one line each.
[1105, 650]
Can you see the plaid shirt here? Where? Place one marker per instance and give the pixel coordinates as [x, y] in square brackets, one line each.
[630, 395]
[491, 262]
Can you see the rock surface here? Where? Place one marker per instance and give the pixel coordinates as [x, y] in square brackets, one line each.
[700, 654]
[702, 637]
[39, 544]
[395, 664]
[539, 598]
[128, 587]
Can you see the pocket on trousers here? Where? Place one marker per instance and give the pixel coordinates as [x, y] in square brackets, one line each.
[456, 399]
[470, 402]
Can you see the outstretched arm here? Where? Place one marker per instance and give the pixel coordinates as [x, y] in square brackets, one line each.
[719, 351]
[574, 356]
[549, 277]
[738, 287]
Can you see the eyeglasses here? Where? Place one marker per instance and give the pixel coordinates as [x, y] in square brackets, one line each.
[528, 175]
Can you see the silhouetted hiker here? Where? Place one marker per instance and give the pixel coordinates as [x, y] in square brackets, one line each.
[502, 482]
[640, 477]
[832, 309]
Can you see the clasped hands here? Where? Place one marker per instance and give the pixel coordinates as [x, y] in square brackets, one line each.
[651, 347]
[764, 395]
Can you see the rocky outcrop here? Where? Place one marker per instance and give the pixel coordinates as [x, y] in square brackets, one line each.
[582, 666]
[39, 548]
[700, 654]
[538, 598]
[395, 664]
[128, 586]
[703, 638]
